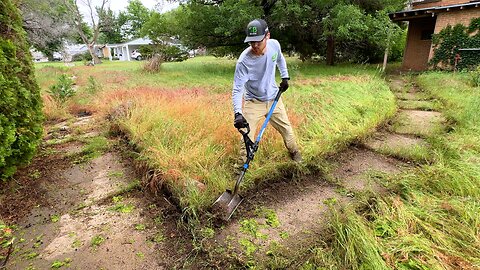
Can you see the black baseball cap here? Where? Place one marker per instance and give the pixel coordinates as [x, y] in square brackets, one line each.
[256, 30]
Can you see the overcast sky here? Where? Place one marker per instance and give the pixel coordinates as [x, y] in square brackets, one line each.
[119, 5]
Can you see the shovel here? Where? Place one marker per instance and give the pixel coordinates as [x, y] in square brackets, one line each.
[228, 202]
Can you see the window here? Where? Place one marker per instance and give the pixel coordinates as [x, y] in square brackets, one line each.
[426, 34]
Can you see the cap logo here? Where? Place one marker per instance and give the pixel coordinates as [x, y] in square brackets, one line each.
[252, 30]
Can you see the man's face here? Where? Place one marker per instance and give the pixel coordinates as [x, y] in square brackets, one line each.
[258, 47]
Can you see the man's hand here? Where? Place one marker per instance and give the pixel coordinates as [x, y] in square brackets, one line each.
[240, 121]
[284, 84]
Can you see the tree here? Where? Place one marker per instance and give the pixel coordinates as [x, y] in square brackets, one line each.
[46, 24]
[133, 19]
[111, 29]
[307, 27]
[20, 103]
[218, 25]
[345, 22]
[95, 20]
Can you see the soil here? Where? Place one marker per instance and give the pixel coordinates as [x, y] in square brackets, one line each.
[65, 212]
[355, 165]
[384, 139]
[88, 215]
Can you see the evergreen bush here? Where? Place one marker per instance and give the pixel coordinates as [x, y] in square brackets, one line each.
[20, 102]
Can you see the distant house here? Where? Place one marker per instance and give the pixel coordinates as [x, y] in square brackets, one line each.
[427, 17]
[38, 56]
[123, 51]
[70, 50]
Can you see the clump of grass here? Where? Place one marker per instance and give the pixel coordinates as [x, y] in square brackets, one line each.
[55, 218]
[418, 105]
[96, 241]
[250, 227]
[354, 243]
[419, 153]
[475, 77]
[120, 206]
[93, 86]
[140, 227]
[58, 264]
[271, 218]
[93, 148]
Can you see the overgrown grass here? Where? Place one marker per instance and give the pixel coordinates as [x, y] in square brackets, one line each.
[187, 134]
[180, 119]
[419, 153]
[430, 219]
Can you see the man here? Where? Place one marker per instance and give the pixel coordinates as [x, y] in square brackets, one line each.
[255, 78]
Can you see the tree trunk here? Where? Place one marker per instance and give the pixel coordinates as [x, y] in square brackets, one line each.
[95, 58]
[330, 50]
[385, 58]
[77, 21]
[387, 49]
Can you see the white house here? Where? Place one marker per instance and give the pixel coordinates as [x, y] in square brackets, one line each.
[124, 51]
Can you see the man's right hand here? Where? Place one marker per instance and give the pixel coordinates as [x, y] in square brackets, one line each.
[240, 121]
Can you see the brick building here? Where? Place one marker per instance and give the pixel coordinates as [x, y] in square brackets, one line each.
[427, 17]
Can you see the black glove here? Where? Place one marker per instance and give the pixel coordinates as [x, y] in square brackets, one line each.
[284, 84]
[240, 121]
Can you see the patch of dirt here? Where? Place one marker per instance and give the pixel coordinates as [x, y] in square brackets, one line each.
[418, 122]
[26, 190]
[301, 207]
[291, 201]
[382, 140]
[397, 84]
[66, 212]
[354, 165]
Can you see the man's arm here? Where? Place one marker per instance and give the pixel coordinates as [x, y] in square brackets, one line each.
[282, 63]
[239, 80]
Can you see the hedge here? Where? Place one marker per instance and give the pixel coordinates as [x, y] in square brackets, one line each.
[20, 102]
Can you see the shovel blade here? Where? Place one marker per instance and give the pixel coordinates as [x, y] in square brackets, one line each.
[226, 204]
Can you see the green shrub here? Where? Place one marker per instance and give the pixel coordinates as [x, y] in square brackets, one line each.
[169, 53]
[84, 57]
[20, 103]
[475, 76]
[62, 90]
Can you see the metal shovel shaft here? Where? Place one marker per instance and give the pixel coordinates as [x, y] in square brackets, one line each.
[229, 201]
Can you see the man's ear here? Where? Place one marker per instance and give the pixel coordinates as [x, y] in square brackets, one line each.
[267, 36]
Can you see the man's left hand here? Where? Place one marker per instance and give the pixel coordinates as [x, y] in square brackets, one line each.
[284, 84]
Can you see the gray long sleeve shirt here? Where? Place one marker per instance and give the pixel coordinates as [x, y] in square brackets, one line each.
[256, 75]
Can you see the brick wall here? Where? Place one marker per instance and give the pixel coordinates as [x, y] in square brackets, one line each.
[417, 51]
[454, 17]
[433, 3]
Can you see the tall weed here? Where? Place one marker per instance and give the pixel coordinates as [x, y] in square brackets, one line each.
[62, 90]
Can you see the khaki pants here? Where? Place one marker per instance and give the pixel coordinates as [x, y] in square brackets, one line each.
[255, 112]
